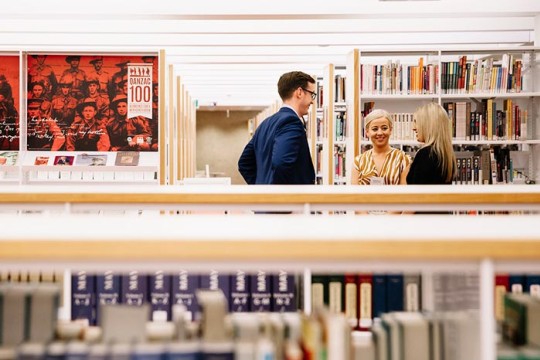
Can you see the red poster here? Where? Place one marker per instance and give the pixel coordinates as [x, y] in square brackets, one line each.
[9, 102]
[80, 103]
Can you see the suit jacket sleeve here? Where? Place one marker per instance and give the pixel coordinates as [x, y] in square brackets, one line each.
[286, 148]
[247, 164]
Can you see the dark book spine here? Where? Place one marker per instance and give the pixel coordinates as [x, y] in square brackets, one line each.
[184, 286]
[379, 295]
[261, 292]
[160, 295]
[83, 297]
[240, 292]
[217, 280]
[284, 292]
[134, 288]
[108, 288]
[394, 292]
[532, 284]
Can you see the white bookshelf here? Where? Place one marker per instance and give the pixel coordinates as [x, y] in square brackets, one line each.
[526, 97]
[305, 244]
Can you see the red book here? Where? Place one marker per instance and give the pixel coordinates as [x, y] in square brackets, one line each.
[502, 286]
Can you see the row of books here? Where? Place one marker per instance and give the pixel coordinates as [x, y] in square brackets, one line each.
[515, 284]
[394, 78]
[487, 123]
[482, 76]
[245, 292]
[363, 297]
[402, 129]
[521, 324]
[494, 165]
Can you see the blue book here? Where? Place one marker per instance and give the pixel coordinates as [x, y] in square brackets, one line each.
[160, 296]
[261, 292]
[108, 288]
[83, 297]
[184, 286]
[284, 297]
[532, 284]
[516, 283]
[240, 292]
[217, 280]
[379, 295]
[134, 288]
[394, 292]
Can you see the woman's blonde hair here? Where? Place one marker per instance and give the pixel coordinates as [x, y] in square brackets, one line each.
[435, 127]
[376, 114]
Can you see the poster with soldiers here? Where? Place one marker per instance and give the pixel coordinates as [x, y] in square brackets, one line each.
[81, 102]
[9, 102]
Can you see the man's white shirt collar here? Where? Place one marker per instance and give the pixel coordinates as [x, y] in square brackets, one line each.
[290, 107]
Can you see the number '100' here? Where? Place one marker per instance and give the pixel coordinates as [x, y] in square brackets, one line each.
[139, 93]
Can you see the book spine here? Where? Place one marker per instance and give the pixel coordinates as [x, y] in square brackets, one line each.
[365, 295]
[83, 297]
[107, 289]
[532, 285]
[394, 292]
[240, 292]
[184, 286]
[284, 293]
[351, 299]
[261, 292]
[379, 295]
[134, 288]
[217, 280]
[160, 296]
[336, 296]
[501, 288]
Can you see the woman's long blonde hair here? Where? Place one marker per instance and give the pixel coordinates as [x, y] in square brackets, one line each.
[435, 127]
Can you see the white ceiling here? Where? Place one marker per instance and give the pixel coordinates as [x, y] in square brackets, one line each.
[232, 52]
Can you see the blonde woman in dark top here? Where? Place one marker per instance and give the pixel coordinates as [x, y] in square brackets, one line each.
[382, 164]
[435, 162]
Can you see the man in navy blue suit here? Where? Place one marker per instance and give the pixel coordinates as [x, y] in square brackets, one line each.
[278, 152]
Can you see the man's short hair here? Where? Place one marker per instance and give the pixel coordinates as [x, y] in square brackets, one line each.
[291, 81]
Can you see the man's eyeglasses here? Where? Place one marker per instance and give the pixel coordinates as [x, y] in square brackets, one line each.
[312, 93]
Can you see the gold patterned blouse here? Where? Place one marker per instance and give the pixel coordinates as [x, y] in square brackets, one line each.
[394, 163]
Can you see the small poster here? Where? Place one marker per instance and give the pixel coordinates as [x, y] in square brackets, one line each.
[127, 158]
[80, 102]
[64, 160]
[41, 160]
[139, 90]
[91, 160]
[9, 102]
[8, 157]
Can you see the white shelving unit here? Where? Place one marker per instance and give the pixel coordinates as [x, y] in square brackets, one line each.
[527, 97]
[305, 244]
